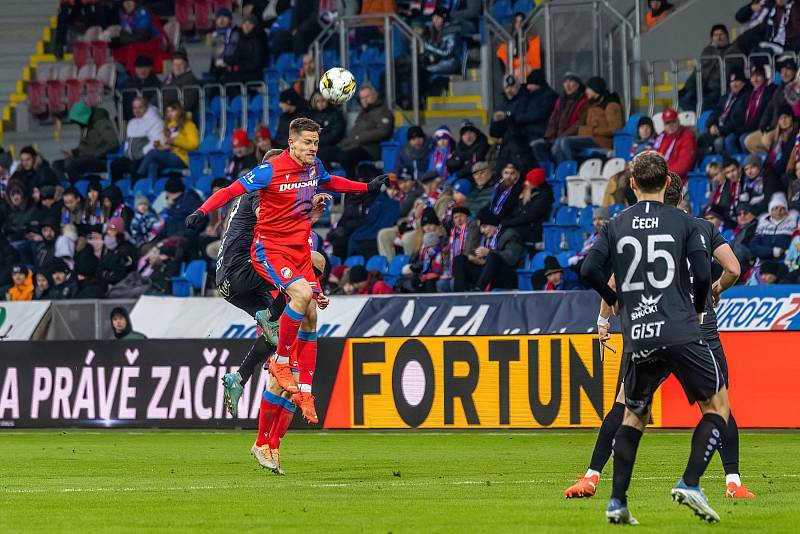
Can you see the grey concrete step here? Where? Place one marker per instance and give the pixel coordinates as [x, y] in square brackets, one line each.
[465, 87]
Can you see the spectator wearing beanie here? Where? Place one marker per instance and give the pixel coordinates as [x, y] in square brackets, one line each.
[414, 157]
[144, 81]
[645, 137]
[601, 117]
[331, 119]
[710, 72]
[172, 151]
[563, 121]
[42, 238]
[292, 106]
[677, 144]
[64, 286]
[541, 101]
[426, 268]
[360, 282]
[17, 212]
[726, 123]
[442, 151]
[774, 231]
[787, 66]
[48, 207]
[752, 191]
[181, 203]
[87, 272]
[472, 147]
[263, 141]
[224, 39]
[98, 140]
[242, 160]
[119, 256]
[22, 284]
[121, 325]
[744, 232]
[145, 224]
[43, 282]
[493, 263]
[533, 208]
[766, 273]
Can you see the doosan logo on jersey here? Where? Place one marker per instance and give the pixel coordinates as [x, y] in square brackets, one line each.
[298, 185]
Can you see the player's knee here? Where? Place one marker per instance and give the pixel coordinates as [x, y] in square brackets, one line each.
[636, 420]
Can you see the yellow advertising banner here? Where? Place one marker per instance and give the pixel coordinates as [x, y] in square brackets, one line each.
[541, 381]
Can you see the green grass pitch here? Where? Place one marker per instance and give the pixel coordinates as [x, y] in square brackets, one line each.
[92, 481]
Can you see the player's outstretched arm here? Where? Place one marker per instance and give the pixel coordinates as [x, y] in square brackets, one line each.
[338, 184]
[215, 201]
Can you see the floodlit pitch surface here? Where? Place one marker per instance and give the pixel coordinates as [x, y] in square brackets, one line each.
[116, 480]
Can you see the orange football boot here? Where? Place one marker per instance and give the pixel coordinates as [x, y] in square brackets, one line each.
[283, 374]
[738, 492]
[306, 403]
[584, 487]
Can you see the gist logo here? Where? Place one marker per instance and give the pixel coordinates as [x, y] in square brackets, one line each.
[298, 185]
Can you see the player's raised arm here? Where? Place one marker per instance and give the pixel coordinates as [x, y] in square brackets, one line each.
[338, 184]
[258, 178]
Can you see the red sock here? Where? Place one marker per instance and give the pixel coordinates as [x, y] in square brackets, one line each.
[267, 416]
[280, 425]
[306, 357]
[288, 325]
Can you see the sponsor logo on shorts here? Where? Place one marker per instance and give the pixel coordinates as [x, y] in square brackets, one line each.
[646, 306]
[286, 272]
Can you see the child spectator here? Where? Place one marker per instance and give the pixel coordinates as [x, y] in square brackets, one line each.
[774, 231]
[442, 151]
[22, 288]
[145, 223]
[558, 278]
[645, 136]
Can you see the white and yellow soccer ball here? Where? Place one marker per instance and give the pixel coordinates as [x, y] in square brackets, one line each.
[337, 85]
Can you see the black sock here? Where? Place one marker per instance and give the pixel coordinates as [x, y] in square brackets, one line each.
[729, 450]
[277, 307]
[705, 440]
[258, 353]
[626, 441]
[605, 437]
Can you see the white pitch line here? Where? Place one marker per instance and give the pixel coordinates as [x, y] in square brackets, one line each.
[384, 483]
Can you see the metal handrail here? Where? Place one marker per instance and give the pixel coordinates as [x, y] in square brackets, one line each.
[494, 26]
[242, 96]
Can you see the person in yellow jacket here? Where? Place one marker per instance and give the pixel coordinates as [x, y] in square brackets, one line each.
[23, 284]
[172, 152]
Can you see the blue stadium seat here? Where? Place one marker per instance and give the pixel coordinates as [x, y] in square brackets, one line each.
[354, 260]
[82, 186]
[623, 138]
[378, 263]
[702, 122]
[194, 276]
[395, 269]
[335, 261]
[197, 163]
[563, 257]
[502, 11]
[564, 169]
[158, 186]
[125, 186]
[586, 219]
[143, 185]
[698, 191]
[204, 184]
[613, 209]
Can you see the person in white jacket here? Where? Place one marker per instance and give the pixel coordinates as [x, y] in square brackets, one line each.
[143, 129]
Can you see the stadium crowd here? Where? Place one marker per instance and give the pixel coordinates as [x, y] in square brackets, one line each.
[463, 210]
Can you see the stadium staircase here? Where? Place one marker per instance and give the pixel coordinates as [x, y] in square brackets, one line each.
[461, 102]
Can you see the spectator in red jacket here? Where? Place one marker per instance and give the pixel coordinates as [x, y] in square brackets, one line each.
[677, 144]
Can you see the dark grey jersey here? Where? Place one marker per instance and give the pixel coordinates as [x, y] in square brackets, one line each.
[234, 250]
[713, 240]
[648, 245]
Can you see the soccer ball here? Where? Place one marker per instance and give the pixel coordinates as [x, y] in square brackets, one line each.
[337, 85]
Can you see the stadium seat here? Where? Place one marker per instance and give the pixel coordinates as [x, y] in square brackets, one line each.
[698, 187]
[613, 209]
[577, 188]
[702, 121]
[395, 269]
[56, 90]
[124, 186]
[623, 139]
[377, 263]
[335, 261]
[203, 183]
[82, 186]
[564, 169]
[687, 118]
[37, 97]
[563, 257]
[80, 53]
[195, 273]
[202, 15]
[658, 122]
[158, 186]
[586, 219]
[74, 90]
[143, 186]
[354, 260]
[99, 53]
[591, 168]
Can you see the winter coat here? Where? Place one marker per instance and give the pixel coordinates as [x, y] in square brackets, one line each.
[237, 166]
[14, 220]
[466, 156]
[22, 292]
[781, 28]
[527, 219]
[771, 235]
[333, 125]
[679, 149]
[602, 119]
[91, 288]
[535, 117]
[147, 87]
[755, 119]
[249, 56]
[141, 227]
[142, 133]
[414, 162]
[64, 291]
[184, 205]
[374, 125]
[509, 247]
[188, 139]
[564, 119]
[116, 264]
[136, 27]
[769, 118]
[383, 213]
[39, 176]
[190, 96]
[445, 53]
[99, 137]
[480, 196]
[733, 122]
[129, 332]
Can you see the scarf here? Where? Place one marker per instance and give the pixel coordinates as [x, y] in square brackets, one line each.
[491, 242]
[732, 98]
[660, 140]
[754, 103]
[499, 198]
[440, 157]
